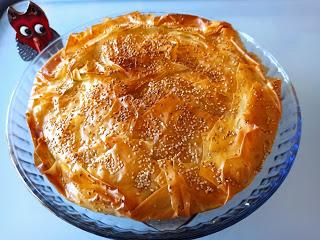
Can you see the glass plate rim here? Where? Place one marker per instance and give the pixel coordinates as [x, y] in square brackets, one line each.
[202, 229]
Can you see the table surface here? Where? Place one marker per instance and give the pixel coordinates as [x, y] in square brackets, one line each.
[290, 30]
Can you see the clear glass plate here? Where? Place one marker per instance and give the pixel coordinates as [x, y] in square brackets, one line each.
[275, 168]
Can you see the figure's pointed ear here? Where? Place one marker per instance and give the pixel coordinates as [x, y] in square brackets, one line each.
[12, 14]
[34, 9]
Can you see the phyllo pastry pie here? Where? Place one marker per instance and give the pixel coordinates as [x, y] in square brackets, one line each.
[153, 117]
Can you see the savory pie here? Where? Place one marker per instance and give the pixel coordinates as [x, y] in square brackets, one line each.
[153, 117]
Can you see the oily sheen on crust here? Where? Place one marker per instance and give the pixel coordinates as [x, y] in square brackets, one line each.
[153, 117]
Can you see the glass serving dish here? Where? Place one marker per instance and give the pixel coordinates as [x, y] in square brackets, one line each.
[275, 168]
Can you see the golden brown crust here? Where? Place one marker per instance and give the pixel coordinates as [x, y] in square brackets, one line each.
[153, 117]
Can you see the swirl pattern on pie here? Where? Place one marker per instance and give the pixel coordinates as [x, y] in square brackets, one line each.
[153, 117]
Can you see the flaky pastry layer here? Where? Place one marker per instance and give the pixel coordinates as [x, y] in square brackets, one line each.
[153, 117]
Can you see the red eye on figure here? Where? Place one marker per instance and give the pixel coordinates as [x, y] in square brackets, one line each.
[25, 31]
[39, 28]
